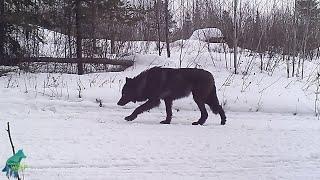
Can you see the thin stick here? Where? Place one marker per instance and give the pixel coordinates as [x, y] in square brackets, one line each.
[8, 130]
[13, 151]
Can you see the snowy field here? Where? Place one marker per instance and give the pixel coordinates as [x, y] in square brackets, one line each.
[78, 140]
[271, 132]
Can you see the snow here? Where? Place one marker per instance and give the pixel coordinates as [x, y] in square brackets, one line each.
[206, 33]
[79, 140]
[271, 130]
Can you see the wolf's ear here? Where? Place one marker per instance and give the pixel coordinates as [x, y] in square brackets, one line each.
[128, 79]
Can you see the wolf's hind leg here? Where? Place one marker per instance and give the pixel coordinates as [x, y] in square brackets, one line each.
[204, 114]
[168, 103]
[218, 109]
[151, 103]
[222, 115]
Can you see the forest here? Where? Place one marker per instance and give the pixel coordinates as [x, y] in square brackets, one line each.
[288, 28]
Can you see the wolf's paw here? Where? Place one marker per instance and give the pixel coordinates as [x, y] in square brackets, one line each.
[197, 123]
[130, 118]
[223, 122]
[165, 122]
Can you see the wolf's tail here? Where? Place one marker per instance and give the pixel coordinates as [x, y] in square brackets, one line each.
[212, 100]
[216, 108]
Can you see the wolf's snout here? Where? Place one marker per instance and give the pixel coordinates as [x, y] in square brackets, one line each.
[120, 103]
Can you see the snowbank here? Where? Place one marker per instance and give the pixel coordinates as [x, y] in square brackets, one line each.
[268, 91]
[206, 34]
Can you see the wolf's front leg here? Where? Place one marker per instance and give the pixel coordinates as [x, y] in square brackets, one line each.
[168, 103]
[131, 117]
[151, 103]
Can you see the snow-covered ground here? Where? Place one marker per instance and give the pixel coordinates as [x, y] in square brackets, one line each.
[271, 130]
[79, 140]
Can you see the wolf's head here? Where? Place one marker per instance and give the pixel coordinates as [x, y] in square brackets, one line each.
[20, 154]
[129, 92]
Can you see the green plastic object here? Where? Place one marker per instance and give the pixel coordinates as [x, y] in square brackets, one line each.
[13, 164]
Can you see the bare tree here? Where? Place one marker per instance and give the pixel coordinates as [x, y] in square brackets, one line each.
[158, 9]
[294, 38]
[2, 28]
[79, 36]
[235, 38]
[167, 26]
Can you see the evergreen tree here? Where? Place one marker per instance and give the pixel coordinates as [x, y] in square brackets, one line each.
[17, 17]
[13, 14]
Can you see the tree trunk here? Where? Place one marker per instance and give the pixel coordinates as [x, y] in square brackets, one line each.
[294, 38]
[235, 40]
[112, 45]
[2, 29]
[288, 64]
[261, 62]
[79, 37]
[305, 40]
[69, 30]
[113, 35]
[93, 26]
[158, 25]
[167, 27]
[69, 42]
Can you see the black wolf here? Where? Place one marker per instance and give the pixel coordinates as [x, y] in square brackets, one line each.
[170, 84]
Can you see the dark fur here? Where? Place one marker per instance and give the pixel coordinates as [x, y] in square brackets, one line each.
[170, 84]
